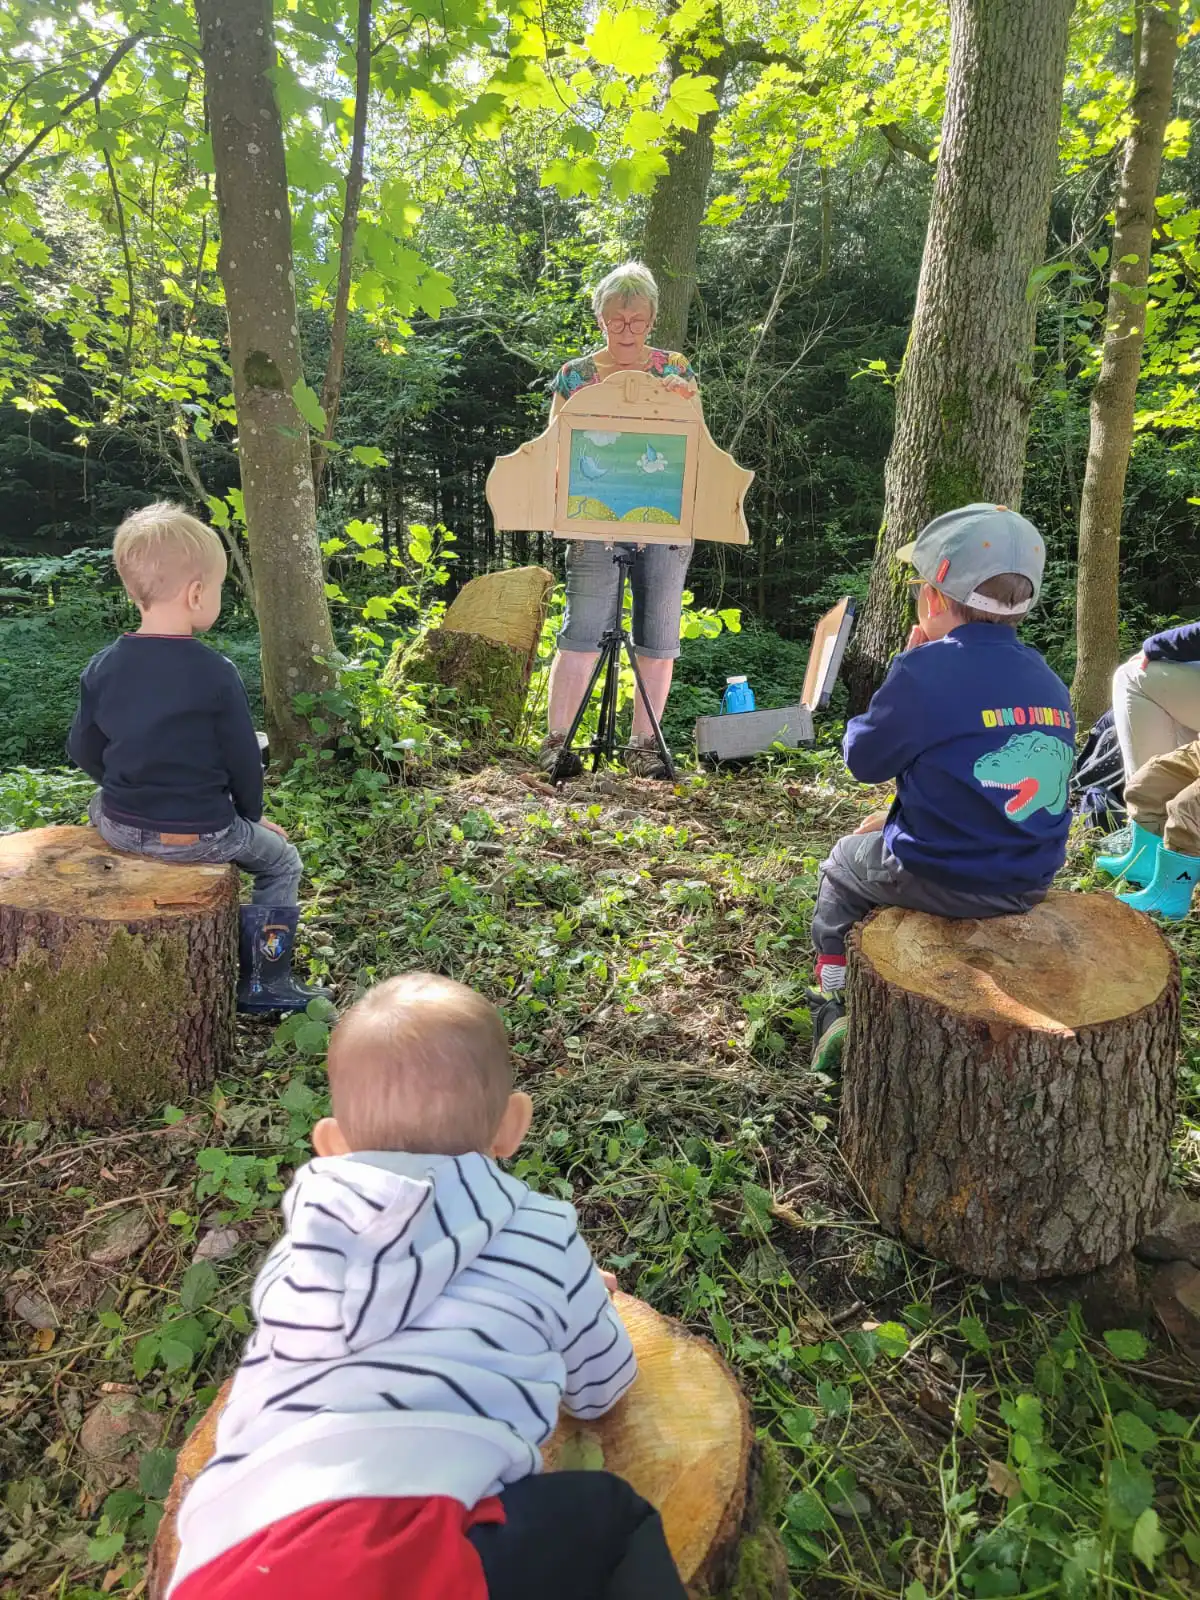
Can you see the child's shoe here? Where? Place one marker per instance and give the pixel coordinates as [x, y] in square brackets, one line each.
[1170, 894]
[268, 935]
[1137, 864]
[828, 1029]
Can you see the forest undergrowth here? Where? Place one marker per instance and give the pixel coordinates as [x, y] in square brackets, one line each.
[648, 946]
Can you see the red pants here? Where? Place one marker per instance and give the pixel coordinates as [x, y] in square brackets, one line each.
[385, 1549]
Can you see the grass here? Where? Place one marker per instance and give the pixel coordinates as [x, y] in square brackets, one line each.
[649, 950]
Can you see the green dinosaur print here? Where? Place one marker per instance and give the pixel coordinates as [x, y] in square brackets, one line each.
[1036, 766]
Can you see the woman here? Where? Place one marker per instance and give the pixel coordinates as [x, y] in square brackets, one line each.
[625, 305]
[1156, 697]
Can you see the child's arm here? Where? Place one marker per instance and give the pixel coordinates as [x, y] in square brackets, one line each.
[86, 744]
[239, 747]
[1174, 644]
[888, 736]
[599, 1356]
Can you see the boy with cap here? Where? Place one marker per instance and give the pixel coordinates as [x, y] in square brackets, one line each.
[977, 732]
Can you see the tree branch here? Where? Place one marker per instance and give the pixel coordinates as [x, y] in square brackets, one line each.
[90, 93]
[331, 389]
[904, 143]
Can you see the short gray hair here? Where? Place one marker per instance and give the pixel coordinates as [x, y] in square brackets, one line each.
[632, 281]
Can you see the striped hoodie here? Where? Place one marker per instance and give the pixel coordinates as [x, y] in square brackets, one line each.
[419, 1324]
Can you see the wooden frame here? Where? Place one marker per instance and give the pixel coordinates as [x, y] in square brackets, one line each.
[829, 640]
[530, 489]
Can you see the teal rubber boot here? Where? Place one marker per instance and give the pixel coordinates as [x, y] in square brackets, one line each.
[1137, 864]
[1170, 895]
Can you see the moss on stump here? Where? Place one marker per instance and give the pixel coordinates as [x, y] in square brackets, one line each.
[484, 674]
[117, 978]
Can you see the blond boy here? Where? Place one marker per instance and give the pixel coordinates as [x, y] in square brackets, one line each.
[419, 1325]
[164, 728]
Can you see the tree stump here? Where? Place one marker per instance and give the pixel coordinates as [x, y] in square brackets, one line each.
[118, 978]
[485, 647]
[1009, 1084]
[681, 1437]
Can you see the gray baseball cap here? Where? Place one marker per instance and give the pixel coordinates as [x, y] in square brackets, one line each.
[961, 549]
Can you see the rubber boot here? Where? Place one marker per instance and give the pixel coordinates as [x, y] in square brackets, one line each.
[1118, 843]
[1137, 864]
[828, 1029]
[266, 984]
[1170, 894]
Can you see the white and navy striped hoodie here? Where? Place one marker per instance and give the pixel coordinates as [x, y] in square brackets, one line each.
[419, 1324]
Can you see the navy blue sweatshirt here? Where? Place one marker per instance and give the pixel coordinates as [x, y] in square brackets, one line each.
[164, 728]
[1180, 644]
[978, 734]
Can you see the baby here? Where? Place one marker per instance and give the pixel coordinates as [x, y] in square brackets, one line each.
[419, 1324]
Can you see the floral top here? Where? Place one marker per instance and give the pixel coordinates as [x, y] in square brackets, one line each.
[579, 373]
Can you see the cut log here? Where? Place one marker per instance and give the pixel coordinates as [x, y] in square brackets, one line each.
[118, 977]
[1008, 1087]
[681, 1437]
[485, 648]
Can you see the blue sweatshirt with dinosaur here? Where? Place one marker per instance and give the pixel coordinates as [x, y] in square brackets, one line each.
[977, 732]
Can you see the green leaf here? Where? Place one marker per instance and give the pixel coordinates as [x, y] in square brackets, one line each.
[580, 139]
[643, 129]
[1130, 1492]
[145, 1354]
[155, 1473]
[1147, 1540]
[805, 1512]
[627, 40]
[974, 1332]
[573, 178]
[104, 1547]
[833, 1398]
[691, 98]
[198, 1286]
[1126, 1344]
[1132, 1431]
[308, 404]
[916, 1591]
[175, 1355]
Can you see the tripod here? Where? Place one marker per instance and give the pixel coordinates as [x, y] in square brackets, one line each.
[614, 639]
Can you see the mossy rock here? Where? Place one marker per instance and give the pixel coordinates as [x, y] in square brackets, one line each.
[490, 680]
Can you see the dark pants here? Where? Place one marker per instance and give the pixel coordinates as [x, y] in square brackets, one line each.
[862, 873]
[576, 1536]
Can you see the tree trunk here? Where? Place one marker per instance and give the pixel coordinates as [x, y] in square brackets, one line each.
[1113, 398]
[117, 978]
[331, 389]
[682, 1438]
[1008, 1086]
[677, 207]
[238, 46]
[963, 397]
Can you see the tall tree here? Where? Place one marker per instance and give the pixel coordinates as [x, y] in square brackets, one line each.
[964, 392]
[237, 43]
[1156, 38]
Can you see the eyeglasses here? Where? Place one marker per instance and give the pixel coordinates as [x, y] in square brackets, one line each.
[634, 325]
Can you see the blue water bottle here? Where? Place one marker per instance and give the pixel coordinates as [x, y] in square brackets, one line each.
[738, 696]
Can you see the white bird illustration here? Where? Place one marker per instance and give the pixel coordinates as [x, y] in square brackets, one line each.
[653, 460]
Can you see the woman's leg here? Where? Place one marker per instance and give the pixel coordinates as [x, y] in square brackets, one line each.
[656, 678]
[576, 1536]
[569, 674]
[1156, 708]
[591, 601]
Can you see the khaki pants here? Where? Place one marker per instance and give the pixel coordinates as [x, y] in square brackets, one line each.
[1156, 708]
[1164, 797]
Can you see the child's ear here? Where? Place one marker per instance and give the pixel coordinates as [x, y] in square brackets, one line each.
[195, 594]
[328, 1139]
[514, 1125]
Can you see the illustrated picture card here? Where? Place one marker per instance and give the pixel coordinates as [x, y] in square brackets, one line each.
[612, 478]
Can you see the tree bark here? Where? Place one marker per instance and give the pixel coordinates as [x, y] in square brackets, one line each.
[117, 978]
[963, 396]
[237, 43]
[1008, 1086]
[677, 207]
[1114, 396]
[331, 389]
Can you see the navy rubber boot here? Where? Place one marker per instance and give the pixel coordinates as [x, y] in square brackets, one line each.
[266, 984]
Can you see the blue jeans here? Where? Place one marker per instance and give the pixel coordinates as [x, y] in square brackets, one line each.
[657, 580]
[274, 862]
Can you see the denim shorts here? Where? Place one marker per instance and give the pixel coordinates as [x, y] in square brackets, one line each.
[657, 579]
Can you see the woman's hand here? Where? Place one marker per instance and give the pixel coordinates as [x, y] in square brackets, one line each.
[873, 823]
[681, 386]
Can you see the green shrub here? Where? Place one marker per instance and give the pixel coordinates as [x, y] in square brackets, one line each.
[33, 798]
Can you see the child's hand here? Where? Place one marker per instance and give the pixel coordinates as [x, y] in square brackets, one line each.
[916, 637]
[273, 827]
[873, 823]
[610, 1282]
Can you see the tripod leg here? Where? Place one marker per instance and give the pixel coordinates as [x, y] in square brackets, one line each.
[641, 689]
[603, 743]
[558, 774]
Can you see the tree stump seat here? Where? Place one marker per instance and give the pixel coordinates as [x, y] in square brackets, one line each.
[118, 978]
[1009, 1084]
[681, 1437]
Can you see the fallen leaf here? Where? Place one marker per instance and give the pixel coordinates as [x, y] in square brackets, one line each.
[1003, 1480]
[933, 1405]
[122, 1236]
[118, 1388]
[113, 1577]
[217, 1244]
[35, 1309]
[44, 1339]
